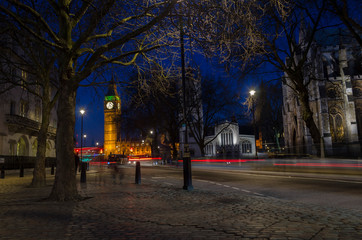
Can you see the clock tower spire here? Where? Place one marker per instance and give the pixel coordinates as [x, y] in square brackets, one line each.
[112, 113]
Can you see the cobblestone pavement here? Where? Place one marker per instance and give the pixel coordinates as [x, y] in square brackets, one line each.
[116, 208]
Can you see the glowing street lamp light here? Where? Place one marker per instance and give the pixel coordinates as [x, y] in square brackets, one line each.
[252, 93]
[83, 177]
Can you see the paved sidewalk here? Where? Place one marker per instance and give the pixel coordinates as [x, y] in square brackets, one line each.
[119, 209]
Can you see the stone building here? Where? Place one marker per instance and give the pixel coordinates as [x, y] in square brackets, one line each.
[21, 107]
[113, 143]
[20, 119]
[335, 97]
[226, 141]
[112, 114]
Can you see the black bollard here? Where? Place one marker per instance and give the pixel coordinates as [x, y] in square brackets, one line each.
[138, 173]
[83, 174]
[2, 175]
[52, 170]
[21, 171]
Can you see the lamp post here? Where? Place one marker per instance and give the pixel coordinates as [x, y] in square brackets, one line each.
[186, 154]
[252, 93]
[83, 177]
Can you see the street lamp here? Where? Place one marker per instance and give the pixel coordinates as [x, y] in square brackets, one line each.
[83, 176]
[252, 93]
[186, 154]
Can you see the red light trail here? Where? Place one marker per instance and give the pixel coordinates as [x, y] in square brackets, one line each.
[340, 165]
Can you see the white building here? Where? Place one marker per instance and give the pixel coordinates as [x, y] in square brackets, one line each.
[227, 141]
[20, 117]
[21, 114]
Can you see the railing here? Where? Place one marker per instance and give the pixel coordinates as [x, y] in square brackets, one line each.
[14, 162]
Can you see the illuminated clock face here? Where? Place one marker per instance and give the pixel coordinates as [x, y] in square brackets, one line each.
[109, 105]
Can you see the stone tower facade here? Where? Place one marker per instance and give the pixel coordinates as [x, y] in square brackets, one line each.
[112, 113]
[335, 98]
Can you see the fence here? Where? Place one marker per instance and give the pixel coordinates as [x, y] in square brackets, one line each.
[14, 162]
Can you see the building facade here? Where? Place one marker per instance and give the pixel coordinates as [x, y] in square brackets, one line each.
[113, 143]
[227, 142]
[21, 107]
[112, 121]
[20, 119]
[335, 98]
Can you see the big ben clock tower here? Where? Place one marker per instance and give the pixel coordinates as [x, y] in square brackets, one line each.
[112, 113]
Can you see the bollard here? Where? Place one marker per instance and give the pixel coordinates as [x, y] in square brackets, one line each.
[138, 173]
[21, 171]
[83, 174]
[52, 170]
[2, 175]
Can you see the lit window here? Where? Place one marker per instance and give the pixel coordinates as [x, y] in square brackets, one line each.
[24, 78]
[24, 107]
[336, 125]
[37, 111]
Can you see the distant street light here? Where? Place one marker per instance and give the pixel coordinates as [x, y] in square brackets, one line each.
[83, 177]
[252, 93]
[151, 132]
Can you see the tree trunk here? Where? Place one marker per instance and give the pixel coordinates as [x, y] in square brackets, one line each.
[65, 187]
[39, 176]
[307, 116]
[202, 149]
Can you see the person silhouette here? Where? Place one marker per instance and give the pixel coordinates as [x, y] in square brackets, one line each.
[76, 161]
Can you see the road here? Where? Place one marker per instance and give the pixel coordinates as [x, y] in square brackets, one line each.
[338, 191]
[226, 203]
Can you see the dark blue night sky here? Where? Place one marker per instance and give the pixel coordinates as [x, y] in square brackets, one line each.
[92, 100]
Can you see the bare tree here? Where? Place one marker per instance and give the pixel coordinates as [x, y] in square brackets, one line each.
[85, 36]
[348, 12]
[155, 107]
[22, 55]
[274, 32]
[210, 101]
[268, 112]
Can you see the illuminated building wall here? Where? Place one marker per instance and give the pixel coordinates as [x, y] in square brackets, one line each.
[335, 98]
[134, 148]
[112, 113]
